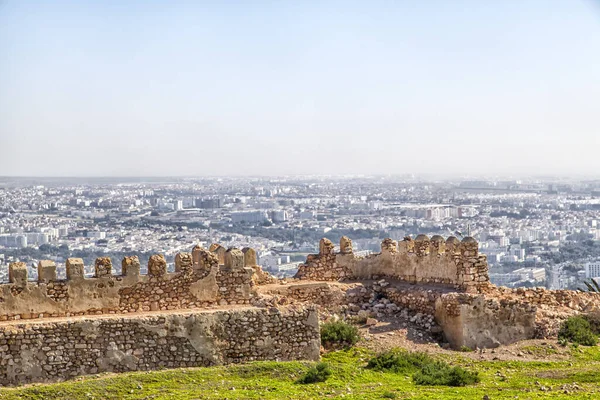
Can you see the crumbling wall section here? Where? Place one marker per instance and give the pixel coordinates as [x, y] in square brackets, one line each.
[477, 321]
[51, 351]
[422, 260]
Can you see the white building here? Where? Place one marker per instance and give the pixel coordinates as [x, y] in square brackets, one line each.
[249, 216]
[279, 216]
[592, 269]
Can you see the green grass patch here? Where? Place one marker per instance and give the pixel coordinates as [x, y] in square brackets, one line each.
[349, 380]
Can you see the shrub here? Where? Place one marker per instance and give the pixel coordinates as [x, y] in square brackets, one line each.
[389, 395]
[399, 361]
[338, 334]
[427, 371]
[594, 320]
[577, 330]
[318, 373]
[465, 349]
[440, 373]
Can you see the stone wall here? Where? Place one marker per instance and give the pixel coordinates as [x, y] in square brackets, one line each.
[428, 261]
[56, 350]
[477, 321]
[198, 281]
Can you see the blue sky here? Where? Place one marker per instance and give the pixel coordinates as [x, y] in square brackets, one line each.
[293, 87]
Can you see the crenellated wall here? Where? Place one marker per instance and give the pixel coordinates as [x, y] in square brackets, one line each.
[199, 280]
[422, 260]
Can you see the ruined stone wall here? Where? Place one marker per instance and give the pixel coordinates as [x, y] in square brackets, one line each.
[428, 261]
[478, 321]
[50, 351]
[198, 281]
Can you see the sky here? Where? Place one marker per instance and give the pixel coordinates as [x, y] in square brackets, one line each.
[196, 88]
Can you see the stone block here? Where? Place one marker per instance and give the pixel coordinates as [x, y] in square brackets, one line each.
[234, 259]
[183, 262]
[103, 267]
[157, 265]
[46, 271]
[346, 245]
[17, 273]
[75, 269]
[326, 247]
[130, 266]
[249, 257]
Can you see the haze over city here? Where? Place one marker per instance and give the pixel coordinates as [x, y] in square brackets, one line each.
[238, 88]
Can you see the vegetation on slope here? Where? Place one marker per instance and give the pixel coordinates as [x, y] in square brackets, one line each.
[576, 378]
[577, 330]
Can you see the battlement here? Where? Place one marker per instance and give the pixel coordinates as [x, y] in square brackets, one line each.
[421, 260]
[201, 279]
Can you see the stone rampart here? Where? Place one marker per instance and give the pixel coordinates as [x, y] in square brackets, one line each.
[199, 281]
[422, 260]
[56, 350]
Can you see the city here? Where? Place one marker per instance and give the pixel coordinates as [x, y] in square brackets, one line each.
[299, 200]
[534, 232]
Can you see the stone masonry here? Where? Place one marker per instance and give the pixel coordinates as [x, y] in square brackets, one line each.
[55, 350]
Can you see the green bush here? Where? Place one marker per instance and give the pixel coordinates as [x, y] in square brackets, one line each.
[399, 361]
[594, 319]
[577, 330]
[338, 334]
[318, 373]
[440, 373]
[389, 395]
[465, 349]
[427, 371]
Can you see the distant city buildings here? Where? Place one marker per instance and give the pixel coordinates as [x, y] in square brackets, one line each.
[592, 269]
[518, 223]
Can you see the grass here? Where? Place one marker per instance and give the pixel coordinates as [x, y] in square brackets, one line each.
[349, 380]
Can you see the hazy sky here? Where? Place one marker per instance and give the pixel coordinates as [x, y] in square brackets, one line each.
[291, 87]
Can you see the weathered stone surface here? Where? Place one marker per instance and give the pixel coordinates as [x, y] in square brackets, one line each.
[157, 265]
[250, 259]
[74, 268]
[56, 351]
[130, 266]
[346, 245]
[46, 271]
[219, 251]
[416, 261]
[183, 262]
[234, 259]
[17, 273]
[103, 267]
[326, 247]
[389, 246]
